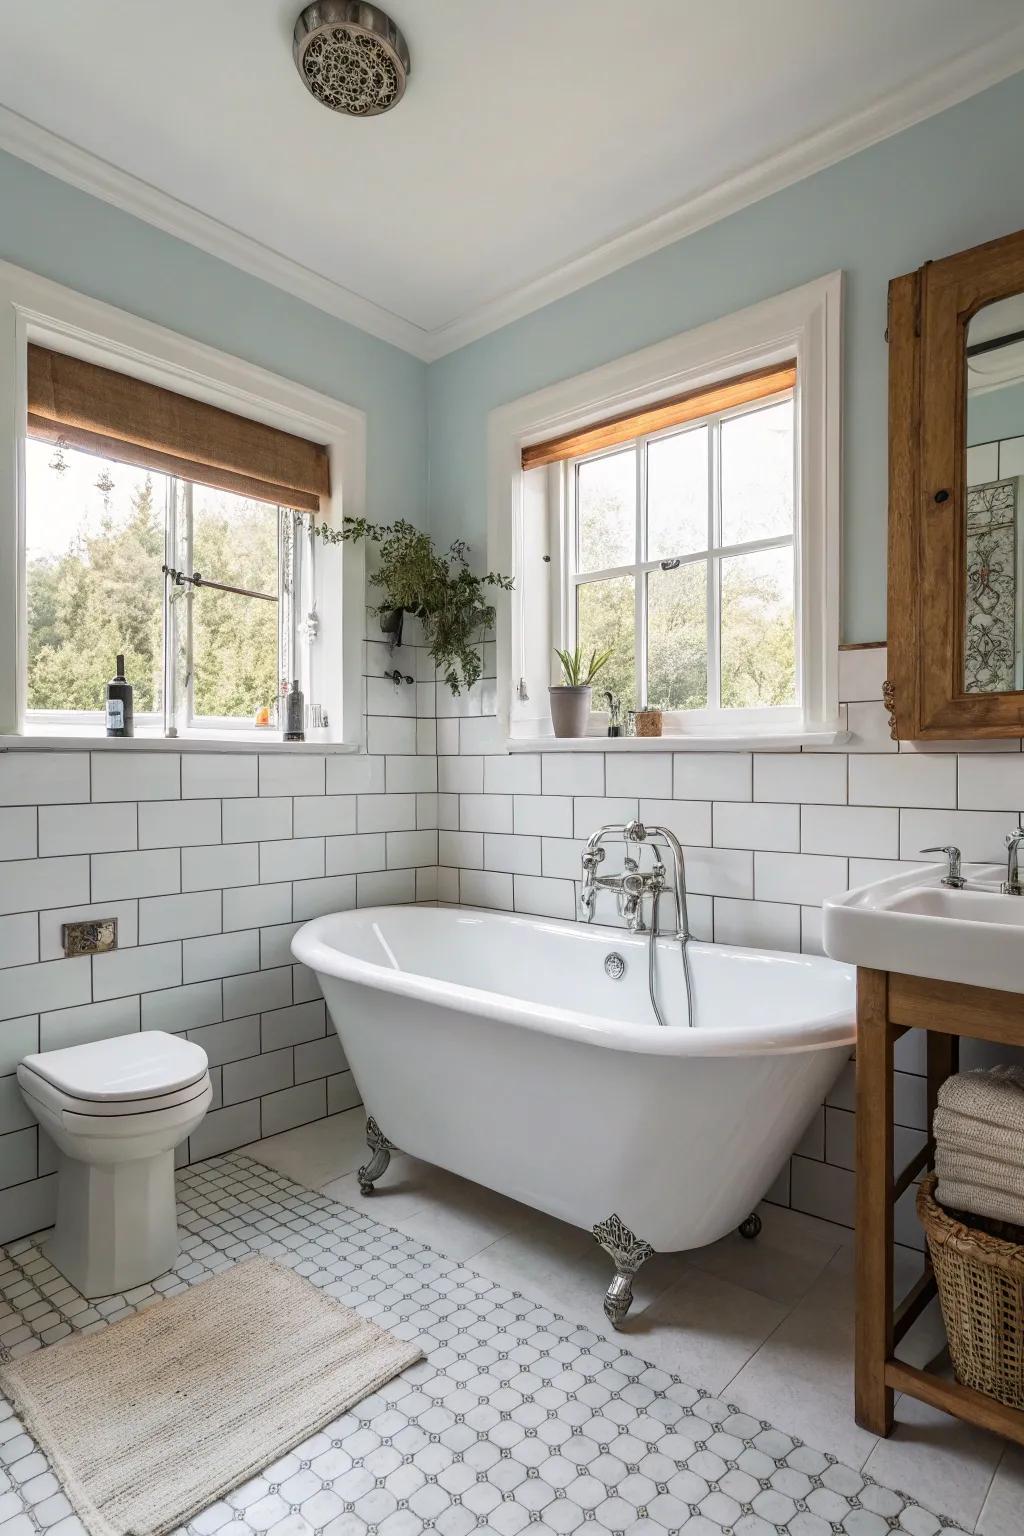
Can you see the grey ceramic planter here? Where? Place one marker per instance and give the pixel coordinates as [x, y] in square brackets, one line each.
[570, 710]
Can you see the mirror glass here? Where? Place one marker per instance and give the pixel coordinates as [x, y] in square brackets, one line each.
[994, 520]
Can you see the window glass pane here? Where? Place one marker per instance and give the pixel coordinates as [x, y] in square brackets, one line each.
[605, 618]
[234, 639]
[758, 631]
[677, 494]
[606, 511]
[94, 548]
[677, 647]
[757, 474]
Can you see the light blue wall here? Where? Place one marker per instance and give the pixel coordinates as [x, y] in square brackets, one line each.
[946, 184]
[995, 414]
[64, 234]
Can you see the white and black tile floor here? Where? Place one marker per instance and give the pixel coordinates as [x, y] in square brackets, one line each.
[516, 1418]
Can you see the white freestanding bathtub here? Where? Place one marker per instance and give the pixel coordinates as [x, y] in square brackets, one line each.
[500, 1048]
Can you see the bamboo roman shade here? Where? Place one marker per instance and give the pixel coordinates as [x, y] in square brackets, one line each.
[742, 390]
[113, 414]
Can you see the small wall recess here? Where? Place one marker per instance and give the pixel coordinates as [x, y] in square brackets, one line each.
[93, 937]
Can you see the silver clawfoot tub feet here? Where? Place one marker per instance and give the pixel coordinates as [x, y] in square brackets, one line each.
[627, 1252]
[750, 1228]
[381, 1150]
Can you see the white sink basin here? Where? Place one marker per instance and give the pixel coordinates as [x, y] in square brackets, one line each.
[915, 925]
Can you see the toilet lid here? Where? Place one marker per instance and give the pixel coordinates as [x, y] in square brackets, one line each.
[137, 1066]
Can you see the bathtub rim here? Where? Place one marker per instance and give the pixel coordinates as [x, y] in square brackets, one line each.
[836, 1028]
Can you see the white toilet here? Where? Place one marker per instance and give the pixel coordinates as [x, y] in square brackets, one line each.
[116, 1110]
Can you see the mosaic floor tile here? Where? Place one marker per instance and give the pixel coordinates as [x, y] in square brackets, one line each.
[516, 1418]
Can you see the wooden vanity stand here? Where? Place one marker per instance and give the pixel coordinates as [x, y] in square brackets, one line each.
[888, 1005]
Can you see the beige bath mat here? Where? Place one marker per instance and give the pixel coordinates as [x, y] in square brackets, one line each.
[152, 1419]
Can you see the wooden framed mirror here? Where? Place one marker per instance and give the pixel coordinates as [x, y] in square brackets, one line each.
[956, 496]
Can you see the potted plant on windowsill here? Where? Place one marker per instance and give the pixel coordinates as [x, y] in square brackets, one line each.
[570, 700]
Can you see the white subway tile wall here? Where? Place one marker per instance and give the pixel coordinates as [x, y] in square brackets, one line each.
[209, 862]
[766, 835]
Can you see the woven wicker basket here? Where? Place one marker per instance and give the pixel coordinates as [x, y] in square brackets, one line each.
[980, 1279]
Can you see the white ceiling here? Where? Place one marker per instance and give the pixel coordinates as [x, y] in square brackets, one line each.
[534, 137]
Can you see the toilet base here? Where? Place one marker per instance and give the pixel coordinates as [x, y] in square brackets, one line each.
[116, 1223]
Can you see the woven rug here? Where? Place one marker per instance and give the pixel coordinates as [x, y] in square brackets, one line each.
[151, 1420]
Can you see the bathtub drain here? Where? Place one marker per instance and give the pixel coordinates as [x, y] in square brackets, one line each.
[615, 966]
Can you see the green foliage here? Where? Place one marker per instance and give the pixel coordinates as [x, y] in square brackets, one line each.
[758, 659]
[234, 639]
[104, 595]
[577, 671]
[101, 596]
[677, 642]
[440, 590]
[758, 636]
[605, 622]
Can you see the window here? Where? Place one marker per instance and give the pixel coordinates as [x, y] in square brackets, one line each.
[130, 399]
[679, 557]
[102, 540]
[680, 507]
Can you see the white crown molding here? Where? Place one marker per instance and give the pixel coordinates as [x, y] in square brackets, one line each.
[924, 97]
[58, 157]
[944, 87]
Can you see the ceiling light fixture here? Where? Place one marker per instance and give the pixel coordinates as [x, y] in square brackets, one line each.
[351, 56]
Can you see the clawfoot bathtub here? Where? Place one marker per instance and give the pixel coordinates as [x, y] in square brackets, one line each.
[523, 1054]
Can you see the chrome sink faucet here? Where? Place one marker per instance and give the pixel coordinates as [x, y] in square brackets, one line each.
[952, 877]
[1012, 884]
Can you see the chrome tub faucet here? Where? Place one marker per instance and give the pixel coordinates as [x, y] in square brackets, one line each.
[632, 885]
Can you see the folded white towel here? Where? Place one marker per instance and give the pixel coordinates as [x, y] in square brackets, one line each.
[996, 1096]
[979, 1143]
[980, 1201]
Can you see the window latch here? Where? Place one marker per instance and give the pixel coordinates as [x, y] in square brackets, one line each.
[671, 565]
[182, 579]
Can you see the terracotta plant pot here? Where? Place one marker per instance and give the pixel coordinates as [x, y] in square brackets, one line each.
[570, 710]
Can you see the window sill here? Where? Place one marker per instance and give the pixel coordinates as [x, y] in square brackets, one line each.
[789, 738]
[59, 740]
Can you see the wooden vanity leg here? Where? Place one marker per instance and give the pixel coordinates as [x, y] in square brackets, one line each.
[874, 1236]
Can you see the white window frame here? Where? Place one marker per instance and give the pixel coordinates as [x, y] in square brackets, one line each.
[528, 514]
[34, 309]
[714, 717]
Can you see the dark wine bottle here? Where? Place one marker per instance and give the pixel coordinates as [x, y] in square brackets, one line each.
[120, 713]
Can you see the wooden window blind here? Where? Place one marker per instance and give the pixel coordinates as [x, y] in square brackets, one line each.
[104, 412]
[742, 390]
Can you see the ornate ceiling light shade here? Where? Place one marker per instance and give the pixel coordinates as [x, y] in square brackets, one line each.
[351, 56]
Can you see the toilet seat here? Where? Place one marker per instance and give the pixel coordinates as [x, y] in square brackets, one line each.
[124, 1075]
[37, 1087]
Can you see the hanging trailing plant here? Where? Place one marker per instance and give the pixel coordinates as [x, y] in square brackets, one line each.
[440, 590]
